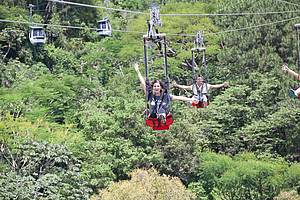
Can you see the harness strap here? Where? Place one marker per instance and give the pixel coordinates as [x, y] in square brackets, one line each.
[161, 99]
[200, 92]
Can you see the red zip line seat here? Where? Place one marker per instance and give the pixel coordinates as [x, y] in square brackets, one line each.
[159, 124]
[200, 104]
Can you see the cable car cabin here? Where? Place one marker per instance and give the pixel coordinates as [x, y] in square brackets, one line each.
[104, 28]
[37, 35]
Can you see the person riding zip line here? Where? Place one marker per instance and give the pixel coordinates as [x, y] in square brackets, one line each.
[294, 93]
[200, 90]
[158, 99]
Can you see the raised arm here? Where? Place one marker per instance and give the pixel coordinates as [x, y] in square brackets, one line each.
[290, 72]
[217, 86]
[182, 98]
[185, 87]
[141, 78]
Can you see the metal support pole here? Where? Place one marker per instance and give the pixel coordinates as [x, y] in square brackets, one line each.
[193, 66]
[146, 73]
[166, 62]
[298, 49]
[206, 70]
[146, 59]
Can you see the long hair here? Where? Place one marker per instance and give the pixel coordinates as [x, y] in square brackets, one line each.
[160, 83]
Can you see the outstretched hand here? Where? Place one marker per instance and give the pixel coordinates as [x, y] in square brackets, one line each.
[194, 100]
[173, 84]
[285, 67]
[225, 84]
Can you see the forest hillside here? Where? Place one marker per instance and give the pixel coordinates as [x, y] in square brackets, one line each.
[71, 110]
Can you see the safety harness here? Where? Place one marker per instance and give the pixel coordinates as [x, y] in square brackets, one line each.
[200, 95]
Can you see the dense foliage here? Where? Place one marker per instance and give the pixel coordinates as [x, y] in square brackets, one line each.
[146, 185]
[71, 111]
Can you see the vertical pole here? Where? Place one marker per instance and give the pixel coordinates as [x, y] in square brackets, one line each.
[204, 62]
[151, 65]
[205, 68]
[146, 59]
[147, 78]
[166, 62]
[193, 66]
[298, 49]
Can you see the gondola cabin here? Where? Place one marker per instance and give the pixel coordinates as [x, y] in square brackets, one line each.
[37, 35]
[104, 28]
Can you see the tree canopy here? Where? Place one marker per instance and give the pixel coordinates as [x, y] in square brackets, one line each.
[71, 110]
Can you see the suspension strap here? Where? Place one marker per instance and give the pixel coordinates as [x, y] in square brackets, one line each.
[205, 70]
[193, 67]
[166, 77]
[297, 26]
[152, 58]
[194, 73]
[298, 46]
[148, 86]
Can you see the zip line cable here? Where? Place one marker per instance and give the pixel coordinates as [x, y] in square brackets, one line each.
[238, 29]
[65, 26]
[92, 6]
[41, 24]
[287, 2]
[254, 26]
[137, 32]
[230, 14]
[182, 14]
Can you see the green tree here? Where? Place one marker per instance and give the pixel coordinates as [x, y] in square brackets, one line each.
[242, 177]
[41, 171]
[146, 185]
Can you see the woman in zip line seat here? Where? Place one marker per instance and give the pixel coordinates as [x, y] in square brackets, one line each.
[159, 99]
[293, 93]
[200, 90]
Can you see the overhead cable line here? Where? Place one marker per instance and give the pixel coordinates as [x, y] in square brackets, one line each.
[238, 29]
[253, 27]
[41, 24]
[287, 2]
[138, 32]
[93, 6]
[64, 26]
[179, 14]
[229, 14]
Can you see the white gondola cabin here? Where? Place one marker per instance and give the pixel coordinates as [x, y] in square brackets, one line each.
[37, 35]
[104, 28]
